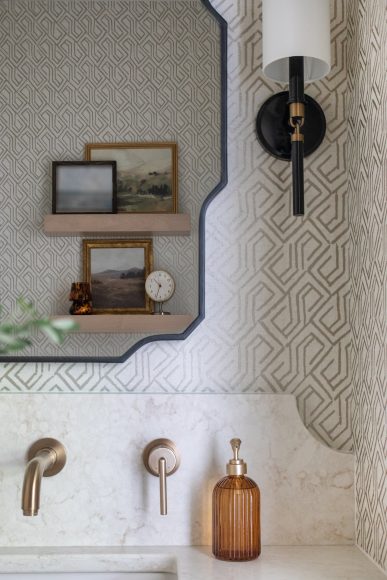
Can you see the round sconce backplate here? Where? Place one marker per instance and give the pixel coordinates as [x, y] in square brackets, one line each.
[273, 130]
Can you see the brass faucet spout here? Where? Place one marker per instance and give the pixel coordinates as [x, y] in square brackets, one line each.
[45, 457]
[33, 481]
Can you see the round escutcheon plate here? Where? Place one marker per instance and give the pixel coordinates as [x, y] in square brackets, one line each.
[273, 129]
[52, 445]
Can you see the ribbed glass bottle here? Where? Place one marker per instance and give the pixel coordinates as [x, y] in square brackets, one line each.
[236, 531]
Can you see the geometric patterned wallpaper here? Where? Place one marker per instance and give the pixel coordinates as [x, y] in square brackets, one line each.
[277, 287]
[367, 182]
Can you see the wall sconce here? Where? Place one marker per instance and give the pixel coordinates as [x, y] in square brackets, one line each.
[296, 49]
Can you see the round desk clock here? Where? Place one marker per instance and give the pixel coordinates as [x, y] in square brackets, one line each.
[160, 287]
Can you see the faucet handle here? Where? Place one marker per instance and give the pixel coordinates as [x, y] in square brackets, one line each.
[161, 459]
[163, 486]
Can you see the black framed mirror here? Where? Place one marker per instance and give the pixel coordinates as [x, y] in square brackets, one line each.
[107, 72]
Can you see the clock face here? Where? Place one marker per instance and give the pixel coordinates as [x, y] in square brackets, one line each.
[159, 286]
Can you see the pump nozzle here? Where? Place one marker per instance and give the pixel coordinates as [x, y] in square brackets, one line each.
[236, 466]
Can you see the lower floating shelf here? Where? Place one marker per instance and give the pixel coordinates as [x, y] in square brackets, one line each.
[132, 323]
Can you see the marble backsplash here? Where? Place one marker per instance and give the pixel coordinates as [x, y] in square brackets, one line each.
[105, 497]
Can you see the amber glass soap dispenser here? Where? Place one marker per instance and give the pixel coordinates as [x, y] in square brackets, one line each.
[236, 531]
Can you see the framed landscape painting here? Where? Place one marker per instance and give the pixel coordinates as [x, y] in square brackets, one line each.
[146, 174]
[116, 271]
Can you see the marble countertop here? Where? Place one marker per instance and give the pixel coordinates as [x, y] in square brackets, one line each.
[197, 563]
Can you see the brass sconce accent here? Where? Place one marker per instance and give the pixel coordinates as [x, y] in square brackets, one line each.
[161, 459]
[46, 457]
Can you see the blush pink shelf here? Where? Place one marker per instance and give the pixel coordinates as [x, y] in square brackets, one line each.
[128, 323]
[171, 224]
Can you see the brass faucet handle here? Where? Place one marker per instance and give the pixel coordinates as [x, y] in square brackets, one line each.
[161, 448]
[161, 458]
[163, 486]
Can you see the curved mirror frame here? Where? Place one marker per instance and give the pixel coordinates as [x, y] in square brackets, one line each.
[201, 233]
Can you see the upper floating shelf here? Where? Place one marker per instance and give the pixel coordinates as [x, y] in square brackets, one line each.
[176, 224]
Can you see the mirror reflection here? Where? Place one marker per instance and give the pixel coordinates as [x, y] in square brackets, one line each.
[81, 81]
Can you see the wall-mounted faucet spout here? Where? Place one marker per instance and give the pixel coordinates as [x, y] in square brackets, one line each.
[45, 458]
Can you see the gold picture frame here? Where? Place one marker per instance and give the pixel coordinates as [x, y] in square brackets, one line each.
[116, 271]
[147, 179]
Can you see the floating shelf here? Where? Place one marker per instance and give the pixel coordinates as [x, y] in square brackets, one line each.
[128, 323]
[171, 224]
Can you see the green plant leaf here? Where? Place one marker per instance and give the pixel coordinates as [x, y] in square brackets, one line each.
[17, 344]
[54, 335]
[64, 324]
[6, 338]
[15, 335]
[26, 307]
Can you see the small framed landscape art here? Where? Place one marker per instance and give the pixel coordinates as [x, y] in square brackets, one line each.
[84, 187]
[116, 271]
[146, 174]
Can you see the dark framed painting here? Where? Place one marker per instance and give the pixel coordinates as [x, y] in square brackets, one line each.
[146, 174]
[84, 187]
[116, 271]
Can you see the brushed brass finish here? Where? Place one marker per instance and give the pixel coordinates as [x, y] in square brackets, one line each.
[297, 110]
[163, 486]
[159, 448]
[236, 466]
[52, 445]
[235, 446]
[296, 121]
[161, 459]
[297, 124]
[46, 458]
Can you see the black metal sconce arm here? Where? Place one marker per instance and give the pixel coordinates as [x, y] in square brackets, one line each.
[296, 122]
[291, 126]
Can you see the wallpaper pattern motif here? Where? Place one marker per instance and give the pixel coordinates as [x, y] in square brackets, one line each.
[367, 172]
[277, 288]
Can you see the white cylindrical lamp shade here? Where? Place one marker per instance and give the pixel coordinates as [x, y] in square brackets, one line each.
[296, 28]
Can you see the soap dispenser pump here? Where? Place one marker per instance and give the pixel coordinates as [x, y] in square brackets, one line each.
[236, 532]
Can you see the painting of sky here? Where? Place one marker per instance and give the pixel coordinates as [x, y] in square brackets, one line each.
[84, 189]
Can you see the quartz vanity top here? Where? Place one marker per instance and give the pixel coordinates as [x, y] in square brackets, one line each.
[197, 563]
